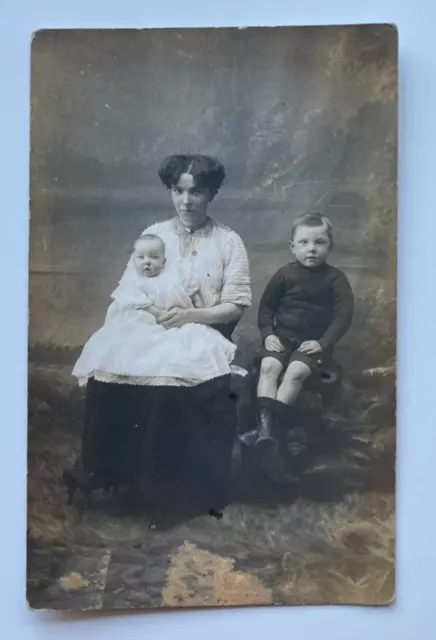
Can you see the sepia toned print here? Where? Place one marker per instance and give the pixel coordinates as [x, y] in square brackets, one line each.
[212, 302]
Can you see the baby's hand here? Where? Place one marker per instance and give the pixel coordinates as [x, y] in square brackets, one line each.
[272, 343]
[156, 312]
[159, 313]
[310, 347]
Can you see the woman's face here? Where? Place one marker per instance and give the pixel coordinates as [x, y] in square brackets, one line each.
[190, 201]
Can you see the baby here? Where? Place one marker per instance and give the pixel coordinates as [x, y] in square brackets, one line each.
[306, 308]
[132, 347]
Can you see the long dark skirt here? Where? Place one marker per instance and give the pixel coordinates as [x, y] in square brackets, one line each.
[172, 444]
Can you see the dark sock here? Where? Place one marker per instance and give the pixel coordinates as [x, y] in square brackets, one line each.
[282, 408]
[285, 414]
[268, 403]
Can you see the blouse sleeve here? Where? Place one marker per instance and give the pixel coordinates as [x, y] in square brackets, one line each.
[236, 281]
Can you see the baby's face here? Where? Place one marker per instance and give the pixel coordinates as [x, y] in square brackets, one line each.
[311, 245]
[149, 257]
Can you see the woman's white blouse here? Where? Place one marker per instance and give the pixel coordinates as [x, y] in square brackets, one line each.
[217, 255]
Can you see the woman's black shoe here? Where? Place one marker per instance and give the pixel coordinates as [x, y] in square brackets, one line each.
[77, 480]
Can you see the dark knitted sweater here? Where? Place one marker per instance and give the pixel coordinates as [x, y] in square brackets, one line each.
[301, 303]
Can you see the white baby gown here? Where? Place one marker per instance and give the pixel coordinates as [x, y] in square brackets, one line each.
[132, 348]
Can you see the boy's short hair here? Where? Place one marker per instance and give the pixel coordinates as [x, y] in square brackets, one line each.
[312, 219]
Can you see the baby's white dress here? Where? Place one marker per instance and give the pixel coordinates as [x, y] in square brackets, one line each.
[132, 348]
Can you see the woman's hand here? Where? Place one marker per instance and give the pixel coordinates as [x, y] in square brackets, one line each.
[175, 317]
[310, 347]
[272, 343]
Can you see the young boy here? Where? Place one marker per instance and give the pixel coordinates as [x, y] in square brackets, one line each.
[306, 308]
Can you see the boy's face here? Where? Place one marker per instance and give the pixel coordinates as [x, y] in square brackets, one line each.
[149, 257]
[311, 245]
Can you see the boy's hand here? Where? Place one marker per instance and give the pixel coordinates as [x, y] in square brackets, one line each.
[310, 347]
[272, 343]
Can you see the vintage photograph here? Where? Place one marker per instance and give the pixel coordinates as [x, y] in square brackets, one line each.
[212, 317]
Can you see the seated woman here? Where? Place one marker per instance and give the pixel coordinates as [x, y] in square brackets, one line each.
[170, 438]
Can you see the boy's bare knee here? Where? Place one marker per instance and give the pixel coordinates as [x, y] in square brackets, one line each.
[297, 372]
[270, 368]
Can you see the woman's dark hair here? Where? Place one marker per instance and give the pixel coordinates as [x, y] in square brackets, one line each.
[205, 170]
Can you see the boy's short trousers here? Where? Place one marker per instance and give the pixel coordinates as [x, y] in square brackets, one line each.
[322, 365]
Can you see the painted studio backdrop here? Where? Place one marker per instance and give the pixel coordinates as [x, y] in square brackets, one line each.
[301, 118]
